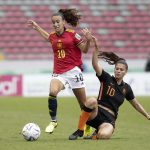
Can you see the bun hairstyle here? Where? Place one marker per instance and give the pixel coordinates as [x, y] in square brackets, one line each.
[112, 58]
[71, 16]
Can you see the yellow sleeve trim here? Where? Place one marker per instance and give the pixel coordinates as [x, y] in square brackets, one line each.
[70, 30]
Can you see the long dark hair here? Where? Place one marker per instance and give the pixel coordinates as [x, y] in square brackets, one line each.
[71, 16]
[112, 58]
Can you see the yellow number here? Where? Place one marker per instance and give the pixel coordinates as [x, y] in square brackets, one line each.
[61, 53]
[111, 91]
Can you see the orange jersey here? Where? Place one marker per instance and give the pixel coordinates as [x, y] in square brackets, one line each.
[67, 55]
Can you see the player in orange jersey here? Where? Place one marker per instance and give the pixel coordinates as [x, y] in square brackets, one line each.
[68, 47]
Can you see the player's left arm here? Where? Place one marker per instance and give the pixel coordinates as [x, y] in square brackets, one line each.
[84, 46]
[139, 108]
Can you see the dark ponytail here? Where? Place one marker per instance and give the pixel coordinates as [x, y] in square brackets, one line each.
[112, 58]
[71, 16]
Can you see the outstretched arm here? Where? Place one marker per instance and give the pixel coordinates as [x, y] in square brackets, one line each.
[35, 26]
[139, 108]
[84, 46]
[98, 69]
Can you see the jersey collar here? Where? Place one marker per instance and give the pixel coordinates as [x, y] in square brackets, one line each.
[122, 83]
[62, 32]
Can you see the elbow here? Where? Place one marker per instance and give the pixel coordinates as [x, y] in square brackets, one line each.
[85, 51]
[85, 48]
[47, 38]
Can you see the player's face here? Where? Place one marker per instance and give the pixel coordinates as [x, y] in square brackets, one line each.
[58, 24]
[119, 71]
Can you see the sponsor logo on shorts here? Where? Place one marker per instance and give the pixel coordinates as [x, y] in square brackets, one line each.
[82, 83]
[54, 75]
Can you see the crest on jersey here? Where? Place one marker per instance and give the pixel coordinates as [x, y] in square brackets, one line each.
[59, 44]
[78, 36]
[124, 91]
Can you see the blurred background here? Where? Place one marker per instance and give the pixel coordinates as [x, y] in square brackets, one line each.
[121, 26]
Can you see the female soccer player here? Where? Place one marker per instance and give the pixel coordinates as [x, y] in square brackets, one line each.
[113, 91]
[67, 47]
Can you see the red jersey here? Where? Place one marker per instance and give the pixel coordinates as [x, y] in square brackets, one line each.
[66, 53]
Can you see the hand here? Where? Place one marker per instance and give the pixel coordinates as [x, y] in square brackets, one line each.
[95, 43]
[148, 117]
[32, 24]
[87, 34]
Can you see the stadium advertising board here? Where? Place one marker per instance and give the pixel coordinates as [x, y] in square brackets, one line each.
[11, 85]
[38, 85]
[140, 83]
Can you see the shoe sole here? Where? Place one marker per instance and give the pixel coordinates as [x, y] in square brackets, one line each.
[78, 138]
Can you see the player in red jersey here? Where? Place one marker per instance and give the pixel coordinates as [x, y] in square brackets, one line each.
[67, 47]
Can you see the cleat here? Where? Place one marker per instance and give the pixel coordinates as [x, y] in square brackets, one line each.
[87, 131]
[93, 136]
[76, 134]
[50, 128]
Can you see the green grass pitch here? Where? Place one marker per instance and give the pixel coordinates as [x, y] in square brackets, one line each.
[132, 129]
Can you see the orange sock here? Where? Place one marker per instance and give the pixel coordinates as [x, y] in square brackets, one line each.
[83, 119]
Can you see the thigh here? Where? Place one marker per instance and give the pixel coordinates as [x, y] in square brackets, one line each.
[101, 117]
[56, 85]
[93, 113]
[95, 119]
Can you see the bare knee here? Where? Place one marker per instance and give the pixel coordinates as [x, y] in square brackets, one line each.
[54, 90]
[104, 135]
[91, 103]
[105, 131]
[53, 93]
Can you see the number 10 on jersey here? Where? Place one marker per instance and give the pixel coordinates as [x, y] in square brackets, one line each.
[61, 53]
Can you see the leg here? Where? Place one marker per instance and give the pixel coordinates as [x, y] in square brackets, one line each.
[55, 87]
[87, 106]
[80, 95]
[77, 84]
[89, 111]
[105, 131]
[91, 103]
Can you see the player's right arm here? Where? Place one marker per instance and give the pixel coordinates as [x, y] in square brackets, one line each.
[41, 31]
[98, 69]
